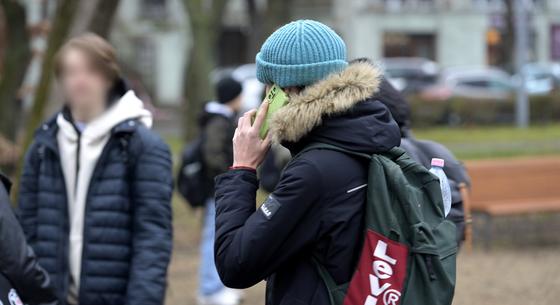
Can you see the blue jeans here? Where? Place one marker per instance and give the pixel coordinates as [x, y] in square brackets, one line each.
[208, 278]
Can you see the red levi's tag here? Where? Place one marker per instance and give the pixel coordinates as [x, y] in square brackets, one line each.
[381, 272]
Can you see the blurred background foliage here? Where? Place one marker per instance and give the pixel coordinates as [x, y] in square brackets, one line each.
[453, 59]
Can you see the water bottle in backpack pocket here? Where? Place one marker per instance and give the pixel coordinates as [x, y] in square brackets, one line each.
[437, 169]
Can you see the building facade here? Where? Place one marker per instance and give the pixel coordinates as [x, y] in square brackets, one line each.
[152, 37]
[451, 32]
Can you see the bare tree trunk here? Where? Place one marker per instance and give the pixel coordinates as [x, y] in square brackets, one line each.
[263, 23]
[61, 24]
[205, 17]
[15, 62]
[102, 20]
[255, 38]
[508, 39]
[277, 14]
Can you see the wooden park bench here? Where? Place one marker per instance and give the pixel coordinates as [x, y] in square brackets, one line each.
[513, 187]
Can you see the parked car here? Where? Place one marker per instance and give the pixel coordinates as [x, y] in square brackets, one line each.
[555, 68]
[410, 74]
[539, 79]
[481, 83]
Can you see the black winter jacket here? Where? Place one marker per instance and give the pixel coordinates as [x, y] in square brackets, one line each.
[127, 229]
[18, 262]
[317, 209]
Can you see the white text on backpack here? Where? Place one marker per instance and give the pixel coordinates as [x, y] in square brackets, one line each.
[382, 270]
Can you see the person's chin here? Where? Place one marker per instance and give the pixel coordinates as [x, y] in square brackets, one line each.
[79, 103]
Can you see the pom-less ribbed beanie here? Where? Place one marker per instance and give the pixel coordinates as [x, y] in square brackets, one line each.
[299, 54]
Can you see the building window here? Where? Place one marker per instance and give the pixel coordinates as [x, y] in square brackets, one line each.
[398, 44]
[153, 9]
[555, 42]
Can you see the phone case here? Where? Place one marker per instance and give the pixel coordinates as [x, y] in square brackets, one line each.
[276, 98]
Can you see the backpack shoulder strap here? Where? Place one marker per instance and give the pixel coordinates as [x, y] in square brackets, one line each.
[325, 146]
[124, 142]
[127, 141]
[336, 292]
[394, 153]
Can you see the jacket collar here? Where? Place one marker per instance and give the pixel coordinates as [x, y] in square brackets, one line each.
[128, 107]
[46, 134]
[336, 94]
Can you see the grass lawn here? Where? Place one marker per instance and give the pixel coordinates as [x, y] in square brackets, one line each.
[496, 142]
[479, 142]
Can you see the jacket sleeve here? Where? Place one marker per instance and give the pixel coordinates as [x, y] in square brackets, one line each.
[18, 261]
[216, 147]
[27, 199]
[251, 245]
[152, 224]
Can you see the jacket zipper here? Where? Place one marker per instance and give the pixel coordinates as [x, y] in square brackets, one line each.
[78, 149]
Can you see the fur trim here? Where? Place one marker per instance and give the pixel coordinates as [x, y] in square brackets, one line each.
[334, 95]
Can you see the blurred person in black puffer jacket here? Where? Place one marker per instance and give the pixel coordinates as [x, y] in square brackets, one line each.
[20, 273]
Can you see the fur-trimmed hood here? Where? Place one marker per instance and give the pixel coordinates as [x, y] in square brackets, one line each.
[339, 110]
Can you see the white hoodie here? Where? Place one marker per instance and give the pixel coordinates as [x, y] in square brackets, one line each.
[77, 175]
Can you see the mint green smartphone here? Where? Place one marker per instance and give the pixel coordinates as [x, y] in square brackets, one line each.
[276, 98]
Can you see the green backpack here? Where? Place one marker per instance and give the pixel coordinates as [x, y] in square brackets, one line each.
[409, 250]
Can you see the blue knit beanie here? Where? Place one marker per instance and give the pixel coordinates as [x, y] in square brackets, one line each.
[300, 53]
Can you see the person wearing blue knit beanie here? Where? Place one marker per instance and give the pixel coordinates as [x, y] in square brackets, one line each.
[313, 222]
[299, 54]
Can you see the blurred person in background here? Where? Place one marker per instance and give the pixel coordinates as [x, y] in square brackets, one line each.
[21, 276]
[96, 186]
[217, 123]
[423, 150]
[316, 212]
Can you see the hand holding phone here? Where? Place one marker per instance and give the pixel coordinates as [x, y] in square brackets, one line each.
[249, 150]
